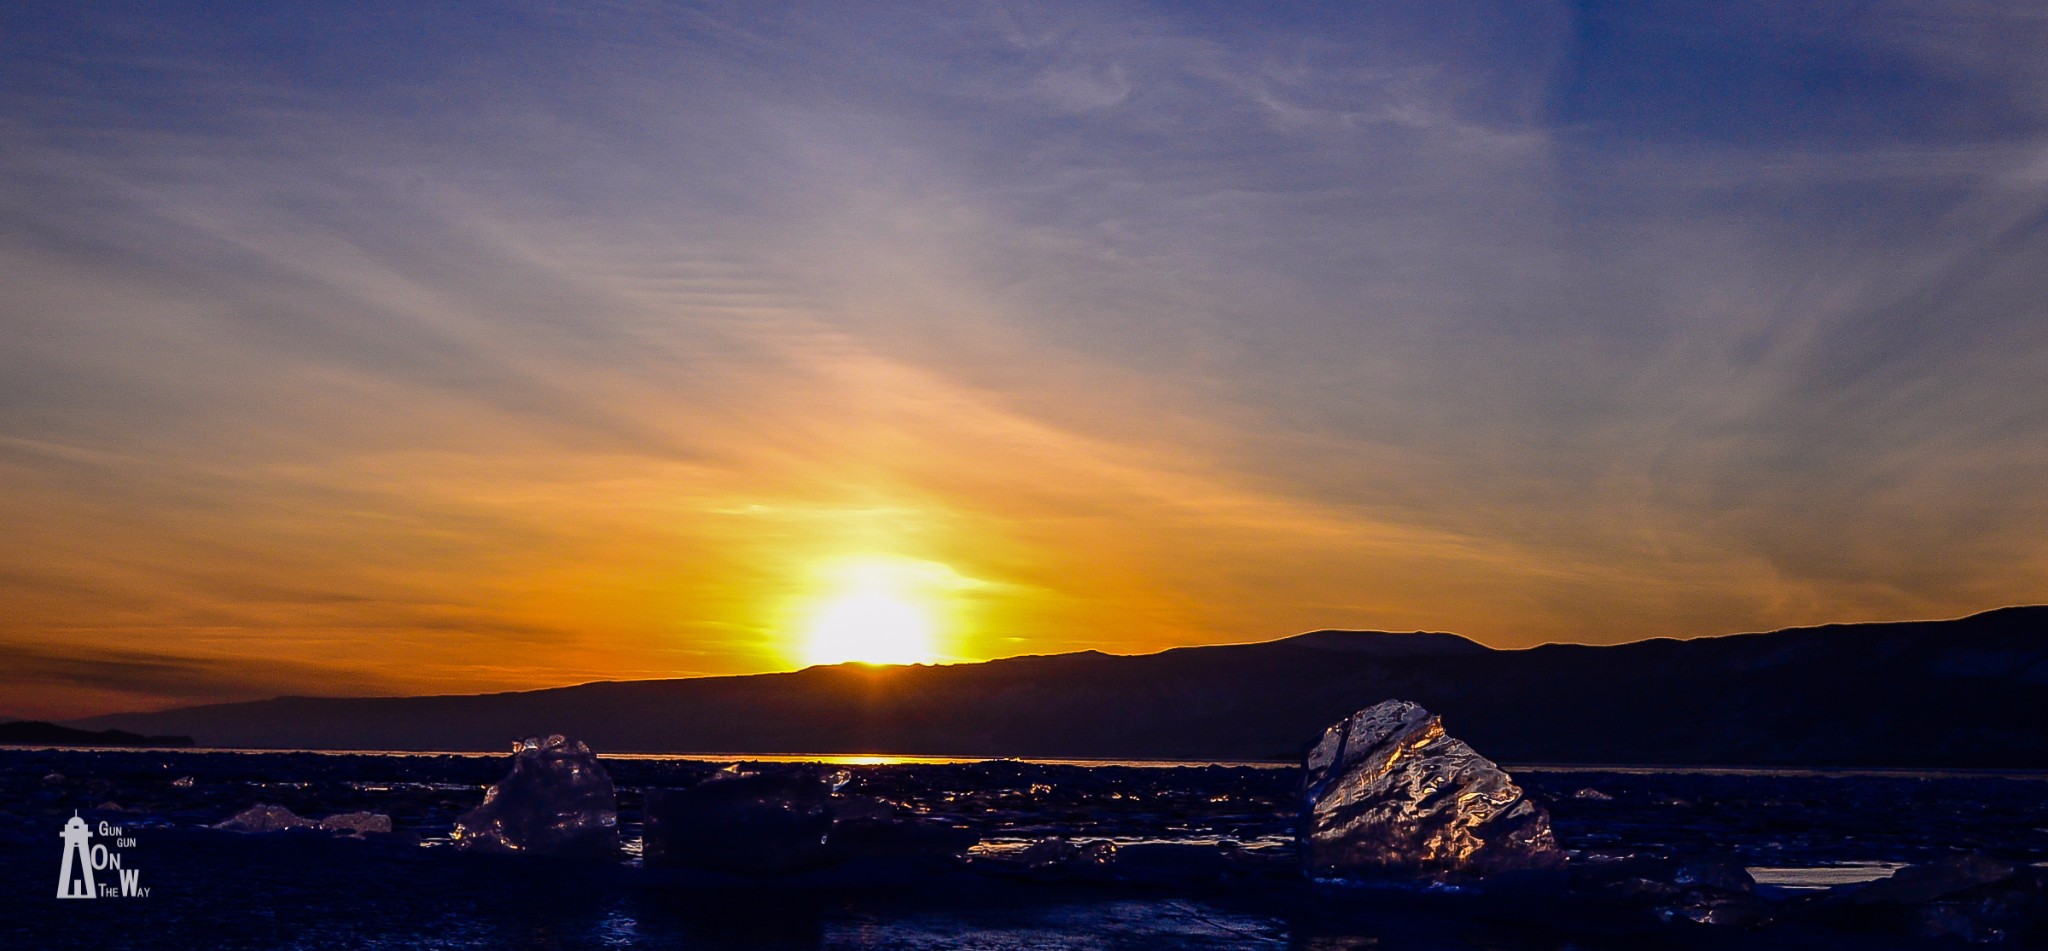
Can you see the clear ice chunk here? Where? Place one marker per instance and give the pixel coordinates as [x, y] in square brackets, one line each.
[556, 801]
[1386, 791]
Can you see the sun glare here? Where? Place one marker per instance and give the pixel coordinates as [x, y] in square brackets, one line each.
[873, 614]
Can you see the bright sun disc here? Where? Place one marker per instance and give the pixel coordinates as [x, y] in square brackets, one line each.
[870, 622]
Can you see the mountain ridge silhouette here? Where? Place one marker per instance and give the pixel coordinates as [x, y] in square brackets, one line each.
[1962, 693]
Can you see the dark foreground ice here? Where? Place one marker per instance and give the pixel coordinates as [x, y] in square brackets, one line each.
[1203, 858]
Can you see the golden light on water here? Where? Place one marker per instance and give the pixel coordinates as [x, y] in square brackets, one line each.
[877, 611]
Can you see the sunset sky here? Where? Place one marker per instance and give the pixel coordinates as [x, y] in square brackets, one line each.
[370, 348]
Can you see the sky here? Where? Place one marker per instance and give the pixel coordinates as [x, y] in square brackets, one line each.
[391, 348]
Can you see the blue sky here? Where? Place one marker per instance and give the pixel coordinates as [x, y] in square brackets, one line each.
[386, 345]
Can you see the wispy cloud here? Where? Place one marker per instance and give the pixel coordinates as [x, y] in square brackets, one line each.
[557, 344]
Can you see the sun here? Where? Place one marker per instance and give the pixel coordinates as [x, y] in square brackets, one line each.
[872, 614]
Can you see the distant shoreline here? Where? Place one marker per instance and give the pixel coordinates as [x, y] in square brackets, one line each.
[40, 733]
[885, 759]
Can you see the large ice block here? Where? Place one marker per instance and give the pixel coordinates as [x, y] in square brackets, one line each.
[557, 801]
[1386, 791]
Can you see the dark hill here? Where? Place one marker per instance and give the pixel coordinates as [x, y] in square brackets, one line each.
[1968, 693]
[39, 733]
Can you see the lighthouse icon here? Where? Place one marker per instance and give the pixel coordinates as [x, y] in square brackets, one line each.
[75, 879]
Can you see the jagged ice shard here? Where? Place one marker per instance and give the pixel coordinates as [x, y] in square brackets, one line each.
[557, 801]
[1387, 792]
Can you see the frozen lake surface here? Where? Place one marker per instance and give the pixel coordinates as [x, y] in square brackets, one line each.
[1796, 830]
